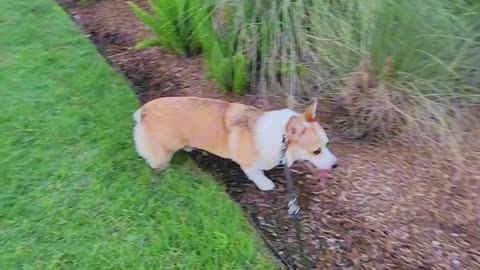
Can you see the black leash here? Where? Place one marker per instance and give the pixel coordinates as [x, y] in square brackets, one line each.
[294, 212]
[292, 206]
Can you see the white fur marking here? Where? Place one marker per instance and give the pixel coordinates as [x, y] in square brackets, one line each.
[323, 137]
[137, 116]
[141, 145]
[268, 137]
[327, 159]
[259, 178]
[324, 161]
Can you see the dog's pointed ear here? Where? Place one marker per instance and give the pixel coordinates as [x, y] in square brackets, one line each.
[310, 113]
[295, 128]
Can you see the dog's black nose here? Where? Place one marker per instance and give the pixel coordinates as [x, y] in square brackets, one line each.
[334, 166]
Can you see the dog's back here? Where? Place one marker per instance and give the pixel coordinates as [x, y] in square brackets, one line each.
[252, 138]
[171, 123]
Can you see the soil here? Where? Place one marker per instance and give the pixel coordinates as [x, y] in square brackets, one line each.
[386, 207]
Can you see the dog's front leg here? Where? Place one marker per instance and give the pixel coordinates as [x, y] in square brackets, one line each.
[259, 178]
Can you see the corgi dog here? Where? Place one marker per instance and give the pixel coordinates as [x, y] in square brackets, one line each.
[256, 140]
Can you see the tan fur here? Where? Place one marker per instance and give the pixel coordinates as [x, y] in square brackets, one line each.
[309, 114]
[250, 137]
[221, 128]
[304, 137]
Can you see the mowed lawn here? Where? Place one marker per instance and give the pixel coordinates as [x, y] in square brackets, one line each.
[73, 192]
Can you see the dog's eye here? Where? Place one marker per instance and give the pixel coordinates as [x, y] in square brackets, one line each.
[317, 152]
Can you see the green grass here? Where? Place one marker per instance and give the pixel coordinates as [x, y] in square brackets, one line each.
[74, 193]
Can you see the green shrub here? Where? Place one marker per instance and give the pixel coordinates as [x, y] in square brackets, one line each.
[186, 27]
[416, 58]
[393, 66]
[424, 39]
[226, 62]
[255, 41]
[173, 23]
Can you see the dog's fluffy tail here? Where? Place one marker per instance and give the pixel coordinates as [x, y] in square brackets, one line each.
[137, 116]
[139, 137]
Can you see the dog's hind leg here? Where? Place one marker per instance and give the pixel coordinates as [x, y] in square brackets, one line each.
[157, 156]
[160, 158]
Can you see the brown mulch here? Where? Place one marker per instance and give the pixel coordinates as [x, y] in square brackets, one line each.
[384, 208]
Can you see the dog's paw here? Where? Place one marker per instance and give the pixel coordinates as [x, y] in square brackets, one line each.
[265, 185]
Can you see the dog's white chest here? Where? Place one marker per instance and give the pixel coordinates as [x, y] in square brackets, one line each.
[268, 137]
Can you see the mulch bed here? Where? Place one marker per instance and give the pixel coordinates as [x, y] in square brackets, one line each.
[385, 208]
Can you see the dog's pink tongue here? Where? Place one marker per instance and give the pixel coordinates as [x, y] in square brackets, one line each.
[322, 174]
[319, 174]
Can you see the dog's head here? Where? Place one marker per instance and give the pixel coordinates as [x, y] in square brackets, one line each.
[308, 141]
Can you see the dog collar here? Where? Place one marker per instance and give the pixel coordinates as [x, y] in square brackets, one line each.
[283, 151]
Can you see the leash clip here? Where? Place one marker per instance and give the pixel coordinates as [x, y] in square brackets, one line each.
[283, 151]
[293, 208]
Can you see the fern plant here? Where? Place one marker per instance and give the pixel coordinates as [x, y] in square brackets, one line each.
[229, 71]
[173, 24]
[226, 63]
